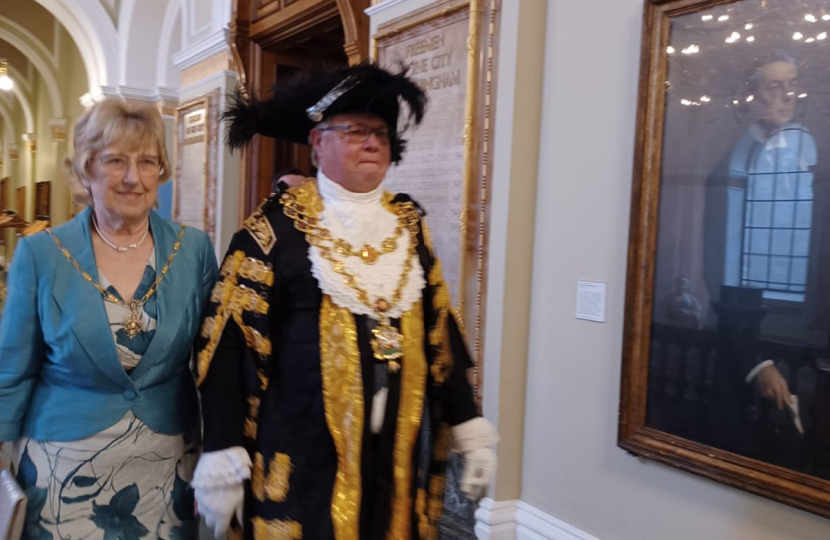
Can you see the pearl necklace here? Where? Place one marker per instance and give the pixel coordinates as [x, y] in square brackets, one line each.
[119, 249]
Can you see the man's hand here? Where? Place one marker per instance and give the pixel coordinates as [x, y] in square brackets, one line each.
[479, 466]
[474, 440]
[218, 485]
[772, 385]
[219, 505]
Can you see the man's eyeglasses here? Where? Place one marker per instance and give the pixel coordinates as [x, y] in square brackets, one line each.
[117, 165]
[359, 134]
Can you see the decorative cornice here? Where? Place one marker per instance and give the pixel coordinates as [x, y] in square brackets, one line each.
[166, 95]
[202, 50]
[218, 76]
[377, 8]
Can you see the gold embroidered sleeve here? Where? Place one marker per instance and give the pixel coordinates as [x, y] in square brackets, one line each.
[231, 300]
[212, 327]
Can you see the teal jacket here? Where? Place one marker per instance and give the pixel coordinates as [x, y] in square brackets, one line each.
[60, 376]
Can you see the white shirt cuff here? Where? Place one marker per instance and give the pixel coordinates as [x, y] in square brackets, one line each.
[757, 369]
[222, 468]
[473, 435]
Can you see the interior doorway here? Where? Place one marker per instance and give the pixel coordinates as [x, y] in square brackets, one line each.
[274, 40]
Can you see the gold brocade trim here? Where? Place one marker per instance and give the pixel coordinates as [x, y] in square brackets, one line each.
[421, 510]
[232, 264]
[410, 409]
[253, 406]
[276, 484]
[435, 504]
[207, 326]
[232, 299]
[254, 340]
[439, 334]
[257, 271]
[427, 237]
[430, 506]
[241, 298]
[214, 326]
[276, 529]
[343, 400]
[437, 486]
[435, 508]
[441, 448]
[235, 531]
[250, 428]
[308, 198]
[261, 231]
[258, 477]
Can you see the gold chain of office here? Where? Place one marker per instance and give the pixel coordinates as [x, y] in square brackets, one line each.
[387, 342]
[132, 324]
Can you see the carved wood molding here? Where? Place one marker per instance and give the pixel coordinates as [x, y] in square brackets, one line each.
[355, 29]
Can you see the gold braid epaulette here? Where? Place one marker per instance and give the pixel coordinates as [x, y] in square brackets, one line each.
[261, 231]
[232, 299]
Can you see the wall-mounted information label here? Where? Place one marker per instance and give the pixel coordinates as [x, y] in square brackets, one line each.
[590, 301]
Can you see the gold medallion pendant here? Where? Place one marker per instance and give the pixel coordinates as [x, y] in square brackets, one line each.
[132, 324]
[387, 344]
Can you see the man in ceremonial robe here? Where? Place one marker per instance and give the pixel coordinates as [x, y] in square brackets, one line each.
[332, 369]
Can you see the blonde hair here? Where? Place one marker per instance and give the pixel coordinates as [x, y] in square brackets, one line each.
[108, 122]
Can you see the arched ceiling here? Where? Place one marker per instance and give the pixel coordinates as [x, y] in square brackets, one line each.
[125, 47]
[33, 42]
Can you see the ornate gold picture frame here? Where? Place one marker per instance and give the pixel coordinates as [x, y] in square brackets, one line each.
[726, 369]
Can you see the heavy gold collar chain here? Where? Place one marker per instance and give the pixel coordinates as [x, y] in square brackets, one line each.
[387, 341]
[132, 324]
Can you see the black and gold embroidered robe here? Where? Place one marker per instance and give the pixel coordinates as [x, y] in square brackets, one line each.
[290, 376]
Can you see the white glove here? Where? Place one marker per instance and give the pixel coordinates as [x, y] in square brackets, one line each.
[219, 505]
[478, 472]
[474, 439]
[218, 484]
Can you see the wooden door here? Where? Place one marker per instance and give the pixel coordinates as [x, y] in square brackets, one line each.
[273, 39]
[4, 194]
[21, 202]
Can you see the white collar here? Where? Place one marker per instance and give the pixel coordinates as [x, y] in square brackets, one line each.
[776, 140]
[333, 193]
[360, 219]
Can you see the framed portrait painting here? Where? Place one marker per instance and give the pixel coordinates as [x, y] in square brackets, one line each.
[726, 358]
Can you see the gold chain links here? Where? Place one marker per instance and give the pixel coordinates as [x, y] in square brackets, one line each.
[320, 237]
[108, 296]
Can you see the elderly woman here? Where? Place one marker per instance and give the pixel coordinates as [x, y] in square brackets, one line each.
[96, 393]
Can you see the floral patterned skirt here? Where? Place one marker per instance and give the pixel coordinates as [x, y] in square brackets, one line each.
[124, 483]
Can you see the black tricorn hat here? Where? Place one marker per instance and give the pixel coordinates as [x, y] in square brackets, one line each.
[300, 102]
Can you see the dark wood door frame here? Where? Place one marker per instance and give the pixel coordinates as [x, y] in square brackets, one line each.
[262, 34]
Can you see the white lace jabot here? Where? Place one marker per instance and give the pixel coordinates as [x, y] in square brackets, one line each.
[360, 218]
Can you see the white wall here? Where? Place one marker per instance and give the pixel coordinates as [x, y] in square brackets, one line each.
[572, 467]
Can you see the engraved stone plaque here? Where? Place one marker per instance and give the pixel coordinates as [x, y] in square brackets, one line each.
[197, 143]
[432, 170]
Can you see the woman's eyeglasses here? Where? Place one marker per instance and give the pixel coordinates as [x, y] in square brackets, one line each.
[117, 165]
